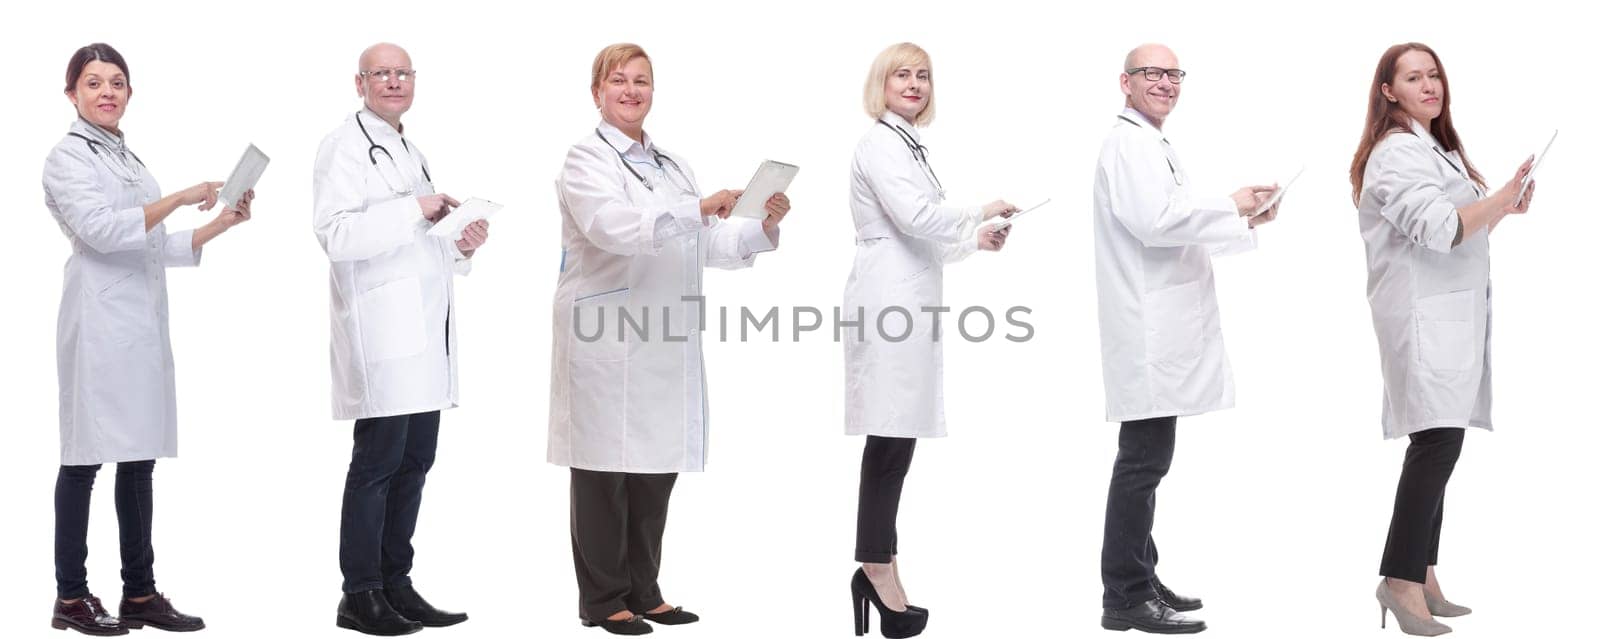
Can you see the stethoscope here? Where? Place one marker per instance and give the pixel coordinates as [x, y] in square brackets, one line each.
[1463, 174]
[374, 148]
[1170, 166]
[920, 153]
[661, 162]
[126, 171]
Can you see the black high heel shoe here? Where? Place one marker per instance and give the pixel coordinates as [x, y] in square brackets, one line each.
[893, 625]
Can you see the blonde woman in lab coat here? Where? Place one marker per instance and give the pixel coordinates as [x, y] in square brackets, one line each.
[628, 413]
[894, 388]
[1425, 217]
[113, 347]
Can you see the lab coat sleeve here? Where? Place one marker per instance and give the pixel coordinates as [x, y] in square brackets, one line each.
[594, 193]
[957, 251]
[177, 249]
[733, 243]
[83, 207]
[1136, 172]
[348, 229]
[1412, 195]
[898, 183]
[461, 265]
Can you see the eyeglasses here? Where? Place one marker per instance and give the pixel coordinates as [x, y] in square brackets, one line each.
[1154, 74]
[383, 75]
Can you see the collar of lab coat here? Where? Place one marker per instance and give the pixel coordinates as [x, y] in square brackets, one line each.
[1423, 133]
[1143, 122]
[110, 140]
[625, 144]
[377, 126]
[895, 120]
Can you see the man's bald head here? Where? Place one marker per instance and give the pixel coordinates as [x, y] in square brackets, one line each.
[1153, 99]
[1150, 55]
[383, 55]
[386, 94]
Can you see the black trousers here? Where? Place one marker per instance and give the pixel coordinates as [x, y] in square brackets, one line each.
[389, 463]
[1419, 504]
[134, 506]
[884, 463]
[618, 520]
[1128, 553]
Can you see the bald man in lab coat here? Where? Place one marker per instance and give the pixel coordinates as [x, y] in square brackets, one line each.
[393, 351]
[1160, 333]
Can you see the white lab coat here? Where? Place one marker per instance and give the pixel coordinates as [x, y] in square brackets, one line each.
[1430, 301]
[1160, 331]
[904, 236]
[113, 350]
[625, 404]
[393, 328]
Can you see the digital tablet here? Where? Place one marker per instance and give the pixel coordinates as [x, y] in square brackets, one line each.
[244, 177]
[771, 178]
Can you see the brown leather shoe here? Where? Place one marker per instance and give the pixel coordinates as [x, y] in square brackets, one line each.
[157, 612]
[87, 616]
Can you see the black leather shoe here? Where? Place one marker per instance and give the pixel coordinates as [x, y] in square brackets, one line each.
[1176, 601]
[1151, 616]
[406, 601]
[675, 617]
[369, 613]
[157, 613]
[87, 616]
[634, 625]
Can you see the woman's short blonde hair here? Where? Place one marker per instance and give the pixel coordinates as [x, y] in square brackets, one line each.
[614, 57]
[896, 57]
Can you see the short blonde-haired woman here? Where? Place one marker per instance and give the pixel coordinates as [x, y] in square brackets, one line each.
[628, 411]
[893, 383]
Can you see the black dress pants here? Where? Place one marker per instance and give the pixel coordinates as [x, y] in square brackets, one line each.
[618, 520]
[133, 495]
[389, 463]
[1128, 553]
[884, 463]
[1419, 504]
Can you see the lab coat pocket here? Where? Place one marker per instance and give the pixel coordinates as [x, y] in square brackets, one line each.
[1445, 330]
[1175, 330]
[597, 333]
[391, 320]
[120, 279]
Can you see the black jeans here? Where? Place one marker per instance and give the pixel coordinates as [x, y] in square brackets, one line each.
[618, 520]
[133, 497]
[1419, 504]
[389, 463]
[884, 463]
[1128, 553]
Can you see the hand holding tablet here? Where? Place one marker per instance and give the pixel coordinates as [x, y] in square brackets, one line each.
[1537, 161]
[770, 179]
[244, 176]
[472, 210]
[1005, 222]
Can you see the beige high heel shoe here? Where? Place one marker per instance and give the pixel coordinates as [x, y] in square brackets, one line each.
[1409, 623]
[1443, 608]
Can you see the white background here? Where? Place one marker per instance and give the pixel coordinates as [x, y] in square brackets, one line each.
[1275, 512]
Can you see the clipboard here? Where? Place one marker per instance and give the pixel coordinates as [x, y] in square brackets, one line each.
[244, 176]
[771, 178]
